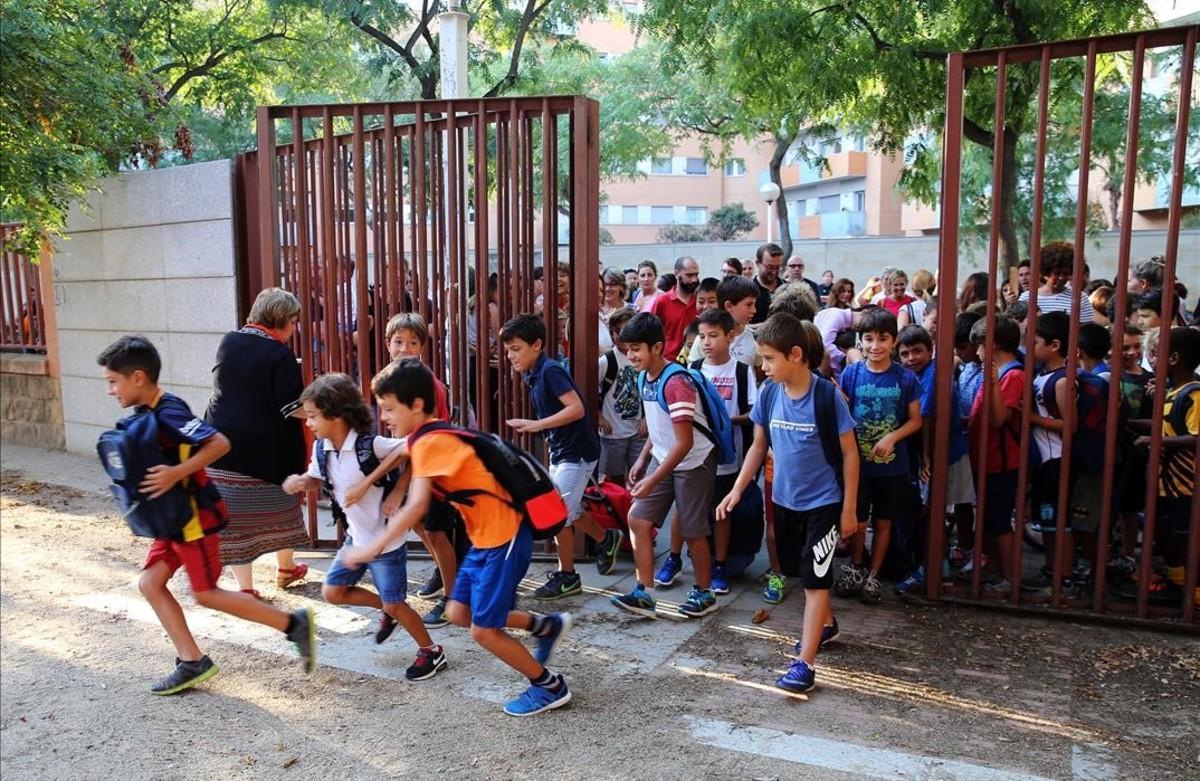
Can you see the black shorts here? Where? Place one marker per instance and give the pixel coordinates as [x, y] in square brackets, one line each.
[1131, 492]
[1176, 512]
[805, 541]
[1001, 497]
[886, 498]
[442, 517]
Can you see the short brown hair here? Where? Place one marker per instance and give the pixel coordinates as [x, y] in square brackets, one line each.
[783, 331]
[274, 308]
[407, 321]
[1058, 255]
[338, 398]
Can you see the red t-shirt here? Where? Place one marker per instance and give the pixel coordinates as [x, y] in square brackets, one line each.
[894, 306]
[441, 406]
[1003, 445]
[676, 316]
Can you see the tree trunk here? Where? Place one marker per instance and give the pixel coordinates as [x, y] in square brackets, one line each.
[1011, 254]
[782, 144]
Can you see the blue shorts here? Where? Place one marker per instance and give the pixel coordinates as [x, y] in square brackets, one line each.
[488, 578]
[389, 572]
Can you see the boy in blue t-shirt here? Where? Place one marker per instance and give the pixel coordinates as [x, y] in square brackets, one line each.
[131, 368]
[812, 505]
[916, 355]
[886, 406]
[574, 448]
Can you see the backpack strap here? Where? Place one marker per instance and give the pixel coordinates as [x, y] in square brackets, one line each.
[610, 374]
[697, 364]
[322, 458]
[766, 400]
[741, 374]
[825, 411]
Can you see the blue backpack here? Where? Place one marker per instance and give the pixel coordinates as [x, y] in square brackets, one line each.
[127, 453]
[721, 433]
[1091, 404]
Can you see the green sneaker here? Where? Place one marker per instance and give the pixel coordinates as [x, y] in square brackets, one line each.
[773, 592]
[185, 676]
[304, 635]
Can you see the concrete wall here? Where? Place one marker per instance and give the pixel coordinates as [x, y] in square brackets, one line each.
[153, 254]
[863, 257]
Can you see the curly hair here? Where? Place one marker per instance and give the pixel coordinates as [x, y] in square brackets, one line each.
[338, 398]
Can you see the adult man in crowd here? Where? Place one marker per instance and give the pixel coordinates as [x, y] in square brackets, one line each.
[677, 309]
[769, 261]
[1023, 269]
[1144, 276]
[795, 273]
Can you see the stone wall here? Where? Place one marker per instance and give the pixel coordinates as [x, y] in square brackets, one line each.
[31, 410]
[153, 254]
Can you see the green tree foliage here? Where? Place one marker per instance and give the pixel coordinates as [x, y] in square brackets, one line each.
[880, 65]
[730, 221]
[681, 234]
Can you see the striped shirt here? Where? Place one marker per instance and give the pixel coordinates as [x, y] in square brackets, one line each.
[1063, 301]
[684, 403]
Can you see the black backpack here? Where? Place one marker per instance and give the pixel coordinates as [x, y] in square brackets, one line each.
[610, 375]
[532, 493]
[127, 453]
[368, 462]
[825, 409]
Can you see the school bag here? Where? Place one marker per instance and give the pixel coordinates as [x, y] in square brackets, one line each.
[127, 452]
[608, 503]
[721, 431]
[368, 462]
[825, 411]
[742, 378]
[1091, 405]
[532, 493]
[610, 375]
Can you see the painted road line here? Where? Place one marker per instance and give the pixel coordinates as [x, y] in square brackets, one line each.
[860, 761]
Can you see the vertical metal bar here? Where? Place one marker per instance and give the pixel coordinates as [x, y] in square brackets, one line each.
[453, 215]
[990, 387]
[1063, 552]
[419, 211]
[1035, 272]
[1174, 217]
[329, 310]
[1100, 571]
[12, 314]
[504, 187]
[394, 254]
[482, 255]
[303, 249]
[461, 386]
[585, 255]
[268, 238]
[948, 280]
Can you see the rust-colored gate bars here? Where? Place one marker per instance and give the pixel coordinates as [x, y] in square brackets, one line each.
[1152, 598]
[23, 323]
[367, 210]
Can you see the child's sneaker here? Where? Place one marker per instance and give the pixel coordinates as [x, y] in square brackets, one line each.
[637, 601]
[558, 585]
[699, 602]
[912, 585]
[850, 582]
[536, 699]
[387, 625]
[998, 588]
[185, 676]
[433, 587]
[773, 591]
[610, 546]
[669, 570]
[799, 677]
[429, 662]
[559, 624]
[720, 581]
[829, 634]
[968, 570]
[872, 591]
[959, 557]
[436, 617]
[304, 635]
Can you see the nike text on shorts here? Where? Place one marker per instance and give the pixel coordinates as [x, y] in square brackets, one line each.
[806, 541]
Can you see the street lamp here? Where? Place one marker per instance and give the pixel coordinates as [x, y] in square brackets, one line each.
[769, 192]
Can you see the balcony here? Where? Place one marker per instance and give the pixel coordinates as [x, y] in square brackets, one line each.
[842, 224]
[844, 164]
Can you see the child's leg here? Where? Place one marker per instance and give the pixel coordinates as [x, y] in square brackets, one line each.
[676, 536]
[438, 545]
[721, 534]
[641, 538]
[244, 575]
[244, 606]
[564, 541]
[1129, 533]
[350, 595]
[817, 613]
[879, 545]
[508, 649]
[153, 585]
[701, 561]
[411, 621]
[769, 507]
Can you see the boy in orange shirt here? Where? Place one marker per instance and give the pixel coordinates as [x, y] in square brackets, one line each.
[485, 590]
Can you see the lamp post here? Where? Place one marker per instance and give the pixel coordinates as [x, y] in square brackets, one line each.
[769, 192]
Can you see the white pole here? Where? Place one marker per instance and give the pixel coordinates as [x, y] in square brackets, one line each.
[453, 41]
[769, 221]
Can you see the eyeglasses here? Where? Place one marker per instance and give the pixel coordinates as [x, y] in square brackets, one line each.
[795, 265]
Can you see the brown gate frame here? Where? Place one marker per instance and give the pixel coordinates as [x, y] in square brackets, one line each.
[958, 65]
[392, 197]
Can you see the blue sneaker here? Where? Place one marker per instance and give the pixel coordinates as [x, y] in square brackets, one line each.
[668, 571]
[773, 591]
[560, 626]
[699, 602]
[799, 677]
[829, 633]
[912, 584]
[637, 601]
[720, 581]
[537, 699]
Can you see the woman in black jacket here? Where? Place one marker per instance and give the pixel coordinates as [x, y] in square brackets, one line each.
[256, 374]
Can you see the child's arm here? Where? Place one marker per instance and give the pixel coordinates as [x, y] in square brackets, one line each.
[603, 424]
[572, 411]
[416, 506]
[849, 521]
[684, 438]
[160, 478]
[298, 484]
[755, 455]
[386, 464]
[884, 447]
[1175, 442]
[1062, 398]
[999, 411]
[391, 502]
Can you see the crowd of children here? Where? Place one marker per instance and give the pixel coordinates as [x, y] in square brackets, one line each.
[727, 424]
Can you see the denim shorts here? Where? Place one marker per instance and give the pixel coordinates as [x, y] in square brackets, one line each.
[571, 478]
[389, 573]
[488, 578]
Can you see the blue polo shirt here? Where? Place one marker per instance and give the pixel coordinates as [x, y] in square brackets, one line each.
[575, 442]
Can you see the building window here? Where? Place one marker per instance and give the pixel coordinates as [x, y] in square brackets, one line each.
[697, 215]
[660, 165]
[629, 215]
[860, 200]
[798, 207]
[631, 6]
[604, 214]
[696, 166]
[831, 204]
[735, 167]
[662, 215]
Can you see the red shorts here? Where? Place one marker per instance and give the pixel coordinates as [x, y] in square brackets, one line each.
[201, 559]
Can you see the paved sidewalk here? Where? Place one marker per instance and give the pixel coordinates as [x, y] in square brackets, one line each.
[83, 473]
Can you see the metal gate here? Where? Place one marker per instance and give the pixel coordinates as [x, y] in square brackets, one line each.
[372, 209]
[1180, 609]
